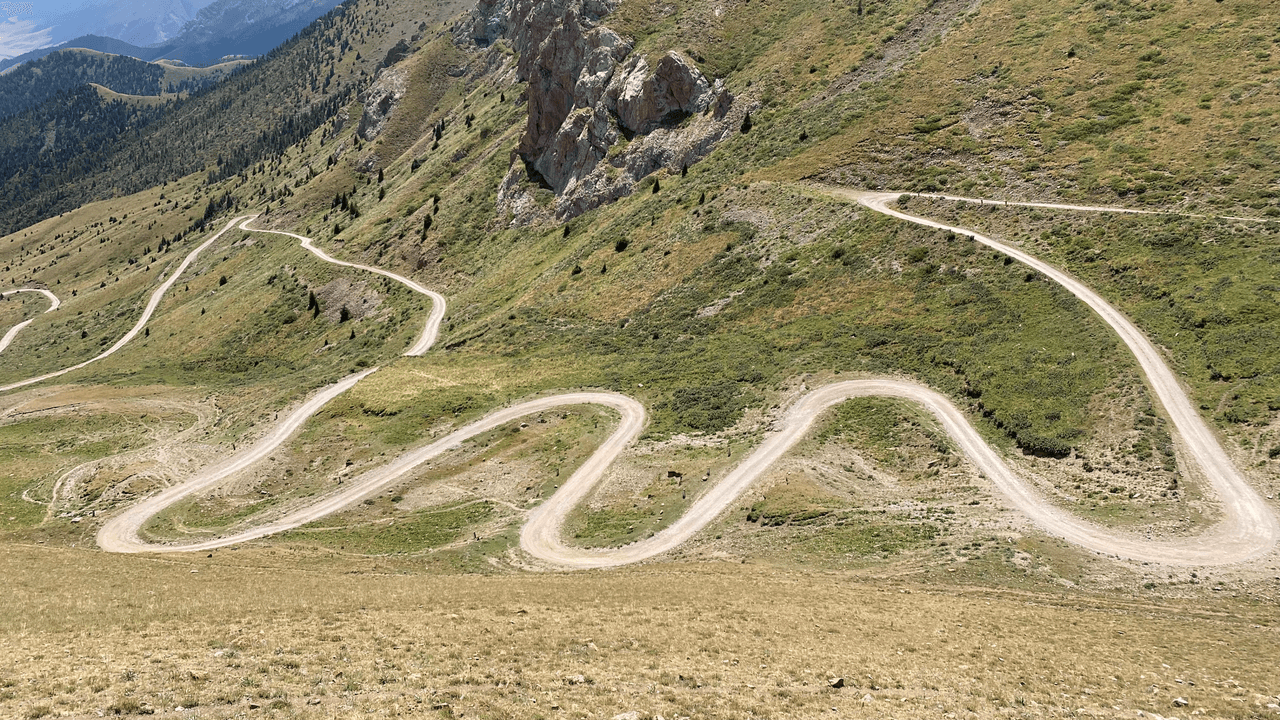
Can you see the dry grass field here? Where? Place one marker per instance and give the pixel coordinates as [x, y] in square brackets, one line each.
[271, 633]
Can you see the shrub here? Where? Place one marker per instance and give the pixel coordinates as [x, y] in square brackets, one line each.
[124, 706]
[707, 408]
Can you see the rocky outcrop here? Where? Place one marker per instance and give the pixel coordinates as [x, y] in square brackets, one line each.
[380, 101]
[587, 94]
[674, 90]
[339, 122]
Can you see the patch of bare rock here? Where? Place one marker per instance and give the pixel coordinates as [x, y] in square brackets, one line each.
[600, 117]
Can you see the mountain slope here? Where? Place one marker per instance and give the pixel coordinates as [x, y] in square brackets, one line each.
[444, 122]
[87, 42]
[684, 258]
[35, 82]
[261, 110]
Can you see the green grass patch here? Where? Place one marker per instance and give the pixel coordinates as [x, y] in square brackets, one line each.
[411, 532]
[860, 537]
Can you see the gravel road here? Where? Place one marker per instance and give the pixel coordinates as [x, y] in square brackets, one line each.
[1249, 528]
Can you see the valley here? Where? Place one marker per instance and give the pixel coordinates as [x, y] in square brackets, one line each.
[638, 359]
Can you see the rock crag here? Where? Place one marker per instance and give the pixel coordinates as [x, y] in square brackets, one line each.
[380, 100]
[600, 117]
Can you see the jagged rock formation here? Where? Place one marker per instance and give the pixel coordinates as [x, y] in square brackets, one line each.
[586, 94]
[380, 101]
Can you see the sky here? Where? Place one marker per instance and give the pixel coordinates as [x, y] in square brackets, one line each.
[24, 28]
[26, 25]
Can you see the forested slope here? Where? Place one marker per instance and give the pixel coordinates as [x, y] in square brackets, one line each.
[35, 82]
[258, 112]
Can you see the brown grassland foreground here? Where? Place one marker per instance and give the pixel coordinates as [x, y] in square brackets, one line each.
[258, 632]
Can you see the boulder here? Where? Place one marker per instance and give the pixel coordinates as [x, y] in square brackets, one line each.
[674, 90]
[568, 70]
[576, 148]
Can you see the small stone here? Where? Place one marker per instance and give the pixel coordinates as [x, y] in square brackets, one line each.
[1180, 702]
[836, 683]
[254, 706]
[867, 698]
[631, 715]
[575, 679]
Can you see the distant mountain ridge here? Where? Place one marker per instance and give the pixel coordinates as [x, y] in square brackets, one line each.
[138, 22]
[223, 28]
[88, 42]
[240, 27]
[33, 83]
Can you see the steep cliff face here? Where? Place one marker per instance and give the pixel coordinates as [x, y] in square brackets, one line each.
[587, 92]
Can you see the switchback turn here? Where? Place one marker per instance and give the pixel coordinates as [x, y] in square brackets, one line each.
[1248, 530]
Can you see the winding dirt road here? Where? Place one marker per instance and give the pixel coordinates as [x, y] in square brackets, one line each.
[152, 304]
[432, 328]
[54, 303]
[1249, 528]
[429, 332]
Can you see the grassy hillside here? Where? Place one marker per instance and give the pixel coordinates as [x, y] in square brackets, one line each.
[716, 297]
[1144, 103]
[710, 299]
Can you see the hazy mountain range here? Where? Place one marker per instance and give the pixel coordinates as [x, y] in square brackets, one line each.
[193, 31]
